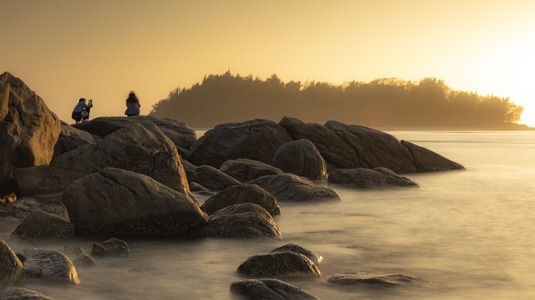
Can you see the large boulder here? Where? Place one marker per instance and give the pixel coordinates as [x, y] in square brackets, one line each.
[244, 169]
[302, 158]
[28, 180]
[362, 178]
[374, 148]
[332, 148]
[178, 132]
[41, 225]
[289, 187]
[270, 289]
[11, 269]
[116, 202]
[245, 220]
[132, 148]
[71, 138]
[244, 193]
[28, 131]
[255, 139]
[48, 265]
[288, 264]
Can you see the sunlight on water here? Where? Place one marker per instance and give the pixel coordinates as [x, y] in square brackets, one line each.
[467, 233]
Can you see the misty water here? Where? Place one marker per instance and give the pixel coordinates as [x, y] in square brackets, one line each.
[468, 233]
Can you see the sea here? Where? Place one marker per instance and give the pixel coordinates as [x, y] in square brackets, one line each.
[468, 234]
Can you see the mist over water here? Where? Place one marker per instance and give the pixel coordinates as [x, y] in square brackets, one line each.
[468, 233]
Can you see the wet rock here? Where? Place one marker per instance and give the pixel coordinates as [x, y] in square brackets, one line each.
[302, 158]
[20, 293]
[23, 207]
[111, 247]
[48, 265]
[288, 187]
[426, 160]
[362, 178]
[212, 178]
[244, 193]
[288, 264]
[11, 268]
[78, 256]
[132, 148]
[146, 208]
[269, 289]
[246, 220]
[244, 169]
[29, 129]
[253, 139]
[42, 225]
[371, 280]
[316, 258]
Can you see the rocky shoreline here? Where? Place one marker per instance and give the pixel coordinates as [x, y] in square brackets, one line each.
[141, 177]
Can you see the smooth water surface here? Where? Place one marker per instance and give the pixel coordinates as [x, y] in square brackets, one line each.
[467, 233]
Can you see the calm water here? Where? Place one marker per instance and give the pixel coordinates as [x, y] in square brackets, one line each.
[469, 233]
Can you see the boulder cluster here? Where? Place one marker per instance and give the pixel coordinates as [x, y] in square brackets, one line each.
[141, 177]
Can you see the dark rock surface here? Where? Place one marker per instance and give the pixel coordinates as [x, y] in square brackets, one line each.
[316, 258]
[372, 280]
[48, 265]
[288, 264]
[212, 178]
[244, 169]
[11, 269]
[111, 247]
[41, 225]
[302, 158]
[20, 293]
[270, 289]
[244, 193]
[362, 178]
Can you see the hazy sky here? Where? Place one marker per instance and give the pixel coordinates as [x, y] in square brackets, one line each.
[102, 49]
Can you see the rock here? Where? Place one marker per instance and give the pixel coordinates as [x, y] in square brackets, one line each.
[244, 193]
[269, 289]
[48, 265]
[288, 187]
[332, 148]
[363, 279]
[29, 129]
[288, 264]
[374, 148]
[42, 225]
[133, 148]
[11, 269]
[426, 160]
[178, 132]
[18, 293]
[212, 179]
[246, 220]
[255, 139]
[111, 247]
[244, 169]
[116, 202]
[23, 207]
[71, 138]
[28, 180]
[301, 158]
[362, 178]
[316, 258]
[78, 256]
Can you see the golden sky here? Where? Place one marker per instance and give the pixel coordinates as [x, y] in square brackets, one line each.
[102, 49]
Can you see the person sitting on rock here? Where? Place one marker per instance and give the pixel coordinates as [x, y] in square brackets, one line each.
[85, 113]
[81, 110]
[132, 105]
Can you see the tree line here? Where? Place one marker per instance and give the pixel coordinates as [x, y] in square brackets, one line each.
[386, 102]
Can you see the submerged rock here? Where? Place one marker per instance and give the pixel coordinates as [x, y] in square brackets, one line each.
[288, 264]
[18, 293]
[362, 178]
[243, 193]
[316, 258]
[48, 265]
[245, 220]
[111, 247]
[270, 289]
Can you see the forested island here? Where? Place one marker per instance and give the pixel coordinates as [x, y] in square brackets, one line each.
[384, 103]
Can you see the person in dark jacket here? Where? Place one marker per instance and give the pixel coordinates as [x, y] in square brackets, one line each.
[132, 105]
[81, 110]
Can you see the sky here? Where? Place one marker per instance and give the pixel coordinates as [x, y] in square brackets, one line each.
[103, 49]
